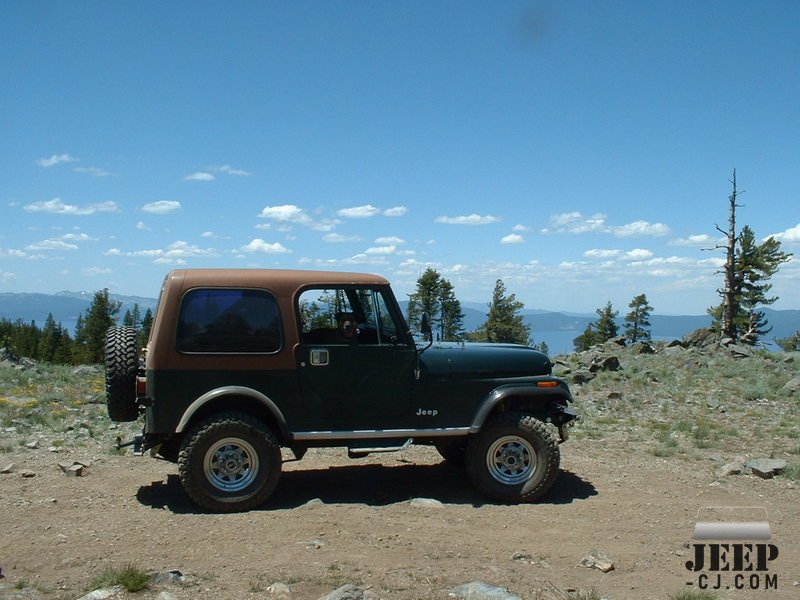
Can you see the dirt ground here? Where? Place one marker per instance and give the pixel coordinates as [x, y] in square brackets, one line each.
[335, 521]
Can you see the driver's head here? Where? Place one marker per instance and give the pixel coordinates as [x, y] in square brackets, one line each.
[346, 323]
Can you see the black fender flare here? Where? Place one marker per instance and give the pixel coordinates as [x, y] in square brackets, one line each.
[240, 392]
[551, 390]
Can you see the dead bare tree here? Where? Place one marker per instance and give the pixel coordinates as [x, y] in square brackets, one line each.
[731, 292]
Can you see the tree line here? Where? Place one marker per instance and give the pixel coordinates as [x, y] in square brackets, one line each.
[52, 342]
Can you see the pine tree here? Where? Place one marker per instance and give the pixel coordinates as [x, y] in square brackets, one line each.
[504, 323]
[638, 320]
[748, 267]
[451, 326]
[147, 324]
[435, 296]
[791, 343]
[599, 331]
[90, 332]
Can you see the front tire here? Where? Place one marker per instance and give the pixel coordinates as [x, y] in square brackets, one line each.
[230, 463]
[515, 458]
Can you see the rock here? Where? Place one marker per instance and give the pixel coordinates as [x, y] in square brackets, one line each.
[604, 363]
[614, 395]
[54, 449]
[712, 403]
[312, 502]
[766, 468]
[792, 387]
[72, 469]
[279, 591]
[164, 595]
[28, 474]
[32, 445]
[583, 376]
[597, 559]
[740, 351]
[477, 590]
[620, 341]
[84, 370]
[701, 338]
[102, 594]
[350, 592]
[642, 348]
[9, 468]
[425, 503]
[168, 577]
[732, 468]
[675, 344]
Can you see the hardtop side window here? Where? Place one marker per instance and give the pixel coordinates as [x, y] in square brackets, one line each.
[345, 316]
[221, 321]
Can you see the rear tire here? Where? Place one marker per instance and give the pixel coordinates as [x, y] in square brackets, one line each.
[229, 463]
[515, 458]
[122, 365]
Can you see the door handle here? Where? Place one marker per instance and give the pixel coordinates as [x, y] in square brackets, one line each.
[319, 357]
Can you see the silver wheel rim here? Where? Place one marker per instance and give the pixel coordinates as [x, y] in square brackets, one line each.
[231, 464]
[511, 460]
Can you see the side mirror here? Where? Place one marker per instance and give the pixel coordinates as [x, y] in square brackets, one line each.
[425, 326]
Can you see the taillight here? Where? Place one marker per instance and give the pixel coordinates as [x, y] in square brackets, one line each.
[141, 386]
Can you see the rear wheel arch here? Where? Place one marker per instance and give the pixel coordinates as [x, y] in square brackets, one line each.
[238, 399]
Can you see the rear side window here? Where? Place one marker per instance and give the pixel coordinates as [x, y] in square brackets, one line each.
[226, 321]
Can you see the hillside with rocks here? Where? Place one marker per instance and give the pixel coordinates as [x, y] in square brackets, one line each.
[666, 431]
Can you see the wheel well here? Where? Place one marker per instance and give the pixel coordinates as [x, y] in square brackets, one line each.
[535, 406]
[241, 404]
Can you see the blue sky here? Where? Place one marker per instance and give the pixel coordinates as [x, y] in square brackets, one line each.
[580, 151]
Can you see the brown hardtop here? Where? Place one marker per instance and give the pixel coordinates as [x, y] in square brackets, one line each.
[282, 282]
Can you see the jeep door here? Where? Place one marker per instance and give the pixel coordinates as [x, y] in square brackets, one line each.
[355, 365]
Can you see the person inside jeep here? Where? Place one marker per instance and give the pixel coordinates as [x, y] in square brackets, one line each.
[346, 325]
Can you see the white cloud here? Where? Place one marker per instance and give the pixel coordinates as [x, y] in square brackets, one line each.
[576, 223]
[162, 207]
[112, 252]
[177, 251]
[513, 238]
[789, 236]
[520, 227]
[7, 277]
[601, 253]
[12, 253]
[259, 245]
[199, 176]
[381, 250]
[395, 211]
[473, 219]
[142, 227]
[638, 254]
[56, 159]
[641, 228]
[286, 213]
[702, 240]
[94, 271]
[96, 171]
[359, 212]
[77, 237]
[229, 170]
[338, 238]
[57, 206]
[52, 244]
[389, 240]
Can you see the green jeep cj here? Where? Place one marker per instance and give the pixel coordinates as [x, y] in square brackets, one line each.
[243, 362]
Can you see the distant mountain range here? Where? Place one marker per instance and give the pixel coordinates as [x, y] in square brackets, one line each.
[557, 329]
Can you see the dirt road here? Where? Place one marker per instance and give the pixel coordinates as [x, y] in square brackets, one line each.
[334, 521]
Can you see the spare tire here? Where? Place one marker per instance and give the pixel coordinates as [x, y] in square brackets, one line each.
[122, 365]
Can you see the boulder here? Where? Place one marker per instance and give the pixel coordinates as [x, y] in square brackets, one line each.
[349, 592]
[792, 387]
[582, 376]
[642, 348]
[597, 559]
[766, 468]
[477, 590]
